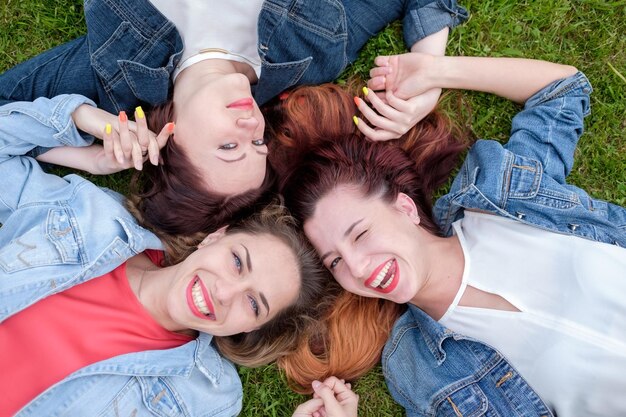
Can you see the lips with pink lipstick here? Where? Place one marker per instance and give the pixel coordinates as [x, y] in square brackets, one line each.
[385, 278]
[243, 104]
[199, 301]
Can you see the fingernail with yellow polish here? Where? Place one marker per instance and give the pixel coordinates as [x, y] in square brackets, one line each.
[355, 120]
[365, 91]
[140, 113]
[107, 128]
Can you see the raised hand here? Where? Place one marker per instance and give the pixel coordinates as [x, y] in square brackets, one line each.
[404, 95]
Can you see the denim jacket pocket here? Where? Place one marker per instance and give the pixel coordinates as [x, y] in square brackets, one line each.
[143, 397]
[469, 401]
[147, 84]
[326, 19]
[524, 177]
[52, 243]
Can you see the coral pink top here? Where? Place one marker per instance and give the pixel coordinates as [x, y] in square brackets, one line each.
[88, 323]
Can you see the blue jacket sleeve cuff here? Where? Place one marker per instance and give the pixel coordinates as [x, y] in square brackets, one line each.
[574, 84]
[424, 20]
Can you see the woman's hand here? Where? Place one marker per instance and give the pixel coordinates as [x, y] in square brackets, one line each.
[126, 144]
[332, 398]
[409, 95]
[406, 75]
[393, 116]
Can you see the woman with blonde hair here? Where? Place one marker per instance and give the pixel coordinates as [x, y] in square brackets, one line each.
[100, 317]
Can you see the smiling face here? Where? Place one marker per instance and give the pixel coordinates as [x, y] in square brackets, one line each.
[371, 247]
[233, 283]
[220, 128]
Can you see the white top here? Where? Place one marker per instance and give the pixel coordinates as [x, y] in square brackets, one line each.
[225, 29]
[569, 338]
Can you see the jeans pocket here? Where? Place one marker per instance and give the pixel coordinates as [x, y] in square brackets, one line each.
[51, 243]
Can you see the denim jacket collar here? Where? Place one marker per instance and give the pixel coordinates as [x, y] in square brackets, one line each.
[433, 333]
[276, 78]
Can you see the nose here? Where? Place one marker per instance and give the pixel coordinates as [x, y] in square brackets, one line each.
[357, 264]
[248, 123]
[226, 290]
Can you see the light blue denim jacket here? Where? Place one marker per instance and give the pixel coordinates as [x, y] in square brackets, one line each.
[59, 232]
[130, 49]
[432, 371]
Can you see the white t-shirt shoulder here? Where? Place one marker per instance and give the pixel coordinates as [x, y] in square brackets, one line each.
[569, 338]
[215, 29]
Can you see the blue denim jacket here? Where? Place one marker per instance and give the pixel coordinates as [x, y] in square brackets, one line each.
[432, 371]
[130, 49]
[59, 232]
[525, 179]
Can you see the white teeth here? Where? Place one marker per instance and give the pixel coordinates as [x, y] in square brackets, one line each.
[389, 281]
[381, 275]
[198, 299]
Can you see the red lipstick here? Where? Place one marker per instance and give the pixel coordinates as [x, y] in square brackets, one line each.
[243, 104]
[205, 295]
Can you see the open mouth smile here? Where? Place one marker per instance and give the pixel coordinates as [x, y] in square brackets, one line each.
[199, 301]
[385, 278]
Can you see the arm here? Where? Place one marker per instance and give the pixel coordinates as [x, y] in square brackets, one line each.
[514, 78]
[125, 143]
[27, 125]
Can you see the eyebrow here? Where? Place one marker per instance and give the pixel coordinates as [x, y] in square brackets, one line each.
[231, 160]
[261, 295]
[345, 234]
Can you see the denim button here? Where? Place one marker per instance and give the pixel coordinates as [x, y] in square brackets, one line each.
[520, 215]
[586, 90]
[572, 227]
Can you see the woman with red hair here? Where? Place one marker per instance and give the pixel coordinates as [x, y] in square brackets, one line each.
[505, 285]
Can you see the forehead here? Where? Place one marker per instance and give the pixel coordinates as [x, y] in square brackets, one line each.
[339, 210]
[275, 269]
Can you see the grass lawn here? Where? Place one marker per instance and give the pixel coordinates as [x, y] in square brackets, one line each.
[589, 34]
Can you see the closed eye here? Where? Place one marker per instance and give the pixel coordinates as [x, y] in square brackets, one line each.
[228, 146]
[360, 235]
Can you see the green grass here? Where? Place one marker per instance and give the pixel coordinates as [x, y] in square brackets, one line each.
[586, 33]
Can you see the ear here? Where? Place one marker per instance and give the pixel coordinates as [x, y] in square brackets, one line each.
[405, 205]
[213, 237]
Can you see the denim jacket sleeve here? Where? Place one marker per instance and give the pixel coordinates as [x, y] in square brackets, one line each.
[312, 42]
[23, 127]
[549, 126]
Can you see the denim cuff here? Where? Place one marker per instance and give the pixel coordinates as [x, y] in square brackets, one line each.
[576, 84]
[422, 21]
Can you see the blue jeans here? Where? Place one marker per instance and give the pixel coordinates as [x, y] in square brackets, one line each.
[125, 59]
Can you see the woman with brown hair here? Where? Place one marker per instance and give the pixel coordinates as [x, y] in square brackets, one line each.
[207, 67]
[511, 279]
